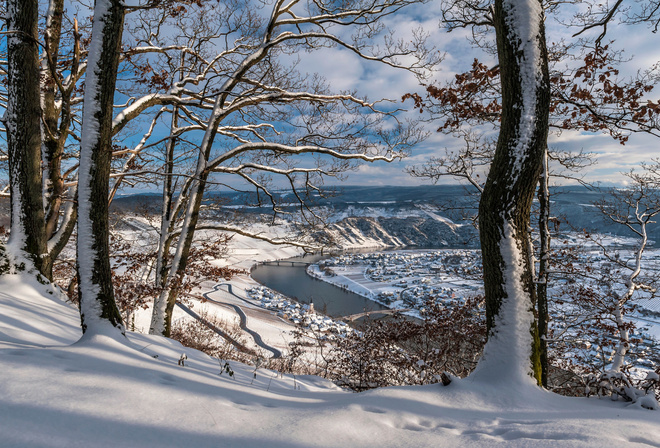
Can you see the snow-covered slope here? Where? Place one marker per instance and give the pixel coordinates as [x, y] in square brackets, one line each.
[56, 391]
[424, 216]
[422, 231]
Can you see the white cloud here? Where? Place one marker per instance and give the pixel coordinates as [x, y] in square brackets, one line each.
[346, 71]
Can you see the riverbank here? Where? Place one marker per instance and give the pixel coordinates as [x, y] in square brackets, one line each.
[275, 326]
[404, 279]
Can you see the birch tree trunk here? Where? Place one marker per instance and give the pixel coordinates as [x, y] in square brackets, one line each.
[97, 305]
[27, 240]
[512, 351]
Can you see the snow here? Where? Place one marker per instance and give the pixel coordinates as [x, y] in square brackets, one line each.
[90, 306]
[507, 355]
[300, 314]
[59, 391]
[524, 21]
[437, 217]
[403, 279]
[245, 252]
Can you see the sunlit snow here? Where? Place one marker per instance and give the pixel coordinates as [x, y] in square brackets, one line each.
[57, 391]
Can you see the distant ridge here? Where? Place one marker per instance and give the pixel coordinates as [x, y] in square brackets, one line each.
[572, 205]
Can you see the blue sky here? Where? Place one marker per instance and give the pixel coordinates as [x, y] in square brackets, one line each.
[344, 70]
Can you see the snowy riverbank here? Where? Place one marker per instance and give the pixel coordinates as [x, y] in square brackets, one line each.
[403, 279]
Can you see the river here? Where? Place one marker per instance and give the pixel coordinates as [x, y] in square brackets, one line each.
[293, 281]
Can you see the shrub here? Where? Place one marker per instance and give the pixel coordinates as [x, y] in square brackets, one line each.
[198, 335]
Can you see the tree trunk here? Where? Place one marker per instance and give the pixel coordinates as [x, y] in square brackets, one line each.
[623, 345]
[167, 211]
[27, 240]
[164, 305]
[542, 281]
[97, 304]
[53, 182]
[55, 131]
[512, 351]
[161, 322]
[162, 315]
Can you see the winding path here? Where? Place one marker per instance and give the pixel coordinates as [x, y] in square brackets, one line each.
[217, 330]
[243, 317]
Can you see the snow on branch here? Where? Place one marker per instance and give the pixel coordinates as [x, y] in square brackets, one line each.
[270, 169]
[142, 104]
[307, 149]
[255, 235]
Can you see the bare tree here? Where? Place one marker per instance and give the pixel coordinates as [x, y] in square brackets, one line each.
[635, 208]
[27, 243]
[600, 344]
[58, 108]
[97, 305]
[263, 121]
[51, 90]
[56, 86]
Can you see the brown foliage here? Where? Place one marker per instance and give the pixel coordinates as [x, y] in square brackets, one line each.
[133, 280]
[399, 351]
[196, 334]
[590, 97]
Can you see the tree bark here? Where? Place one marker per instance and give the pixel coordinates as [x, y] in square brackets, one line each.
[164, 304]
[167, 211]
[512, 351]
[161, 320]
[27, 240]
[52, 151]
[542, 280]
[97, 304]
[55, 132]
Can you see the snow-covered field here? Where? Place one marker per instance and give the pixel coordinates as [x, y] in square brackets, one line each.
[58, 390]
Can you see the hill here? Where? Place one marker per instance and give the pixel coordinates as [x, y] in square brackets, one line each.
[572, 206]
[60, 390]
